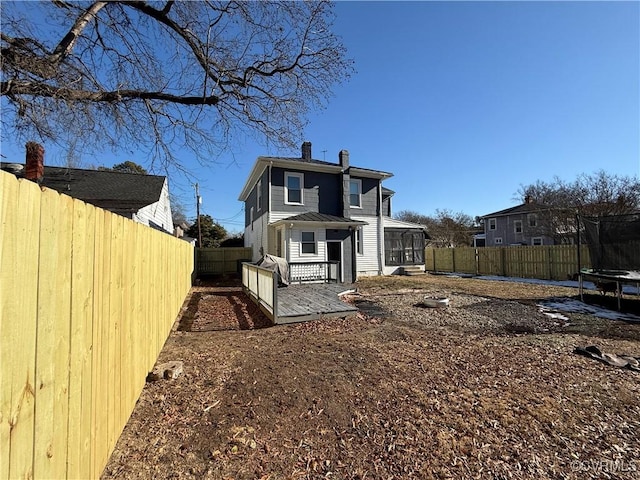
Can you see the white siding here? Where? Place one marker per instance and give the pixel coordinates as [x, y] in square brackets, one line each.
[393, 223]
[368, 262]
[275, 216]
[255, 236]
[159, 213]
[294, 250]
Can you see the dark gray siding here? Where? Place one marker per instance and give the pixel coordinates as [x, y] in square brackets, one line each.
[252, 200]
[386, 206]
[369, 197]
[321, 192]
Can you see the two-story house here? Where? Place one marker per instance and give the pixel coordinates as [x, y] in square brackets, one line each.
[307, 210]
[525, 224]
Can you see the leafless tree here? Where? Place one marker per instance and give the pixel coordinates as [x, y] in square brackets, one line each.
[445, 228]
[163, 77]
[598, 194]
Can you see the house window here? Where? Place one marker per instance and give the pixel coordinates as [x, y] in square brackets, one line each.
[359, 248]
[517, 226]
[536, 241]
[259, 194]
[251, 217]
[497, 240]
[293, 183]
[533, 220]
[308, 243]
[355, 193]
[492, 224]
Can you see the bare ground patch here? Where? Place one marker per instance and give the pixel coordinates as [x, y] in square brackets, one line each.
[486, 388]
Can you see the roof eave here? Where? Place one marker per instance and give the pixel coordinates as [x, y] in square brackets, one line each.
[363, 172]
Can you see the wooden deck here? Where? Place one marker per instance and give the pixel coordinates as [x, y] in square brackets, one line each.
[298, 303]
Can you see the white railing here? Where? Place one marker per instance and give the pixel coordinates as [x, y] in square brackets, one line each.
[262, 285]
[326, 272]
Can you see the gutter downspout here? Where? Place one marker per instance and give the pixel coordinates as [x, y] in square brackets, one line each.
[380, 231]
[266, 227]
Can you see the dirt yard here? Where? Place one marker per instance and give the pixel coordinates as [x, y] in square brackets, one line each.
[486, 388]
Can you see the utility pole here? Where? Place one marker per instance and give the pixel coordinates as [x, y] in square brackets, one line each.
[198, 202]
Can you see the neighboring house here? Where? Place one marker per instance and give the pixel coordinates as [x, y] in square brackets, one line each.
[307, 210]
[524, 224]
[142, 198]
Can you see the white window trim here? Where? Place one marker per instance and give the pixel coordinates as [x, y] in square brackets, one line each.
[359, 183]
[359, 243]
[497, 241]
[495, 224]
[286, 188]
[251, 217]
[515, 226]
[533, 241]
[315, 244]
[259, 194]
[534, 217]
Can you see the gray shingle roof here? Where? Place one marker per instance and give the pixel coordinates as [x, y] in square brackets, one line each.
[122, 193]
[298, 159]
[523, 208]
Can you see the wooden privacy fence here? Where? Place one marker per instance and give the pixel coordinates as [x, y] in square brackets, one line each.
[549, 262]
[218, 261]
[87, 301]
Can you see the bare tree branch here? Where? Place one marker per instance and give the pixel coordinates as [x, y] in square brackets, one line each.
[166, 76]
[74, 95]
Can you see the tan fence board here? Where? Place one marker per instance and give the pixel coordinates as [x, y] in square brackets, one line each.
[217, 261]
[99, 448]
[21, 210]
[552, 262]
[79, 460]
[464, 259]
[87, 299]
[52, 354]
[8, 311]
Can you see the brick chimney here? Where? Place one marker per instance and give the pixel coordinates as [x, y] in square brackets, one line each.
[528, 199]
[35, 162]
[306, 151]
[343, 156]
[344, 159]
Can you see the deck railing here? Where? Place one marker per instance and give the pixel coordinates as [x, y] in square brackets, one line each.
[318, 272]
[262, 285]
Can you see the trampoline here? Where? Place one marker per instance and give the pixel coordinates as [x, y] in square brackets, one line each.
[614, 247]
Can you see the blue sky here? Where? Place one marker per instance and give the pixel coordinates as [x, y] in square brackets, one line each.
[465, 101]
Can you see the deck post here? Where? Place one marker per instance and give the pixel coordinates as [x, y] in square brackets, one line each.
[274, 301]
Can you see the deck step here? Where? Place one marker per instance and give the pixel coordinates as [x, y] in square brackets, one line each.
[412, 271]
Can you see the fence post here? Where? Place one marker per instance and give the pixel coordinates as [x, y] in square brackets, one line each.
[476, 257]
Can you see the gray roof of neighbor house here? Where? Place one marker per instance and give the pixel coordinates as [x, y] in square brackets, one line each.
[528, 207]
[121, 193]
